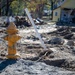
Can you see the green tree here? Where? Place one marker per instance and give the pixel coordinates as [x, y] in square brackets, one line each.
[17, 7]
[36, 6]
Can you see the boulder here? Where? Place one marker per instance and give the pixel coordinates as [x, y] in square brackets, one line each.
[68, 36]
[73, 29]
[70, 43]
[34, 38]
[56, 40]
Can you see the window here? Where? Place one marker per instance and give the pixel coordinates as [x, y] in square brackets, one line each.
[56, 13]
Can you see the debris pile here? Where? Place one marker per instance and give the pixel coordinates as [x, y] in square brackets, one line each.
[60, 41]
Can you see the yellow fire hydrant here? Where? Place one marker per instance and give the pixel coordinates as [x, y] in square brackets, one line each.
[12, 38]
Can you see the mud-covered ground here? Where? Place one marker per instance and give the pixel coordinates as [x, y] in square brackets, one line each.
[60, 53]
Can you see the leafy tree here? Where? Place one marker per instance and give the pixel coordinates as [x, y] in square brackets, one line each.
[17, 7]
[36, 6]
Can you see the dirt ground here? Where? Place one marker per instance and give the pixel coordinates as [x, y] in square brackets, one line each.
[59, 40]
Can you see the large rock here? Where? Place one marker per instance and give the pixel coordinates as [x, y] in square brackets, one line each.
[69, 36]
[34, 38]
[73, 50]
[70, 43]
[73, 29]
[55, 62]
[69, 64]
[56, 40]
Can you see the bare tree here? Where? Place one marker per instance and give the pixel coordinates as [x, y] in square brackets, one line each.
[0, 7]
[52, 2]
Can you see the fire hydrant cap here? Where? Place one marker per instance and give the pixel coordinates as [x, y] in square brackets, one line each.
[12, 26]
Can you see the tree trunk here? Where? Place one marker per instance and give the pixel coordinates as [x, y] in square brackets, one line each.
[0, 11]
[40, 10]
[0, 7]
[7, 8]
[52, 10]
